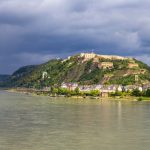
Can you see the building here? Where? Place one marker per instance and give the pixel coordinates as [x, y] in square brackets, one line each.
[111, 88]
[112, 57]
[146, 86]
[44, 75]
[136, 78]
[105, 91]
[140, 88]
[133, 65]
[105, 65]
[86, 88]
[96, 60]
[98, 87]
[120, 88]
[104, 94]
[69, 86]
[64, 85]
[132, 87]
[142, 71]
[87, 56]
[114, 88]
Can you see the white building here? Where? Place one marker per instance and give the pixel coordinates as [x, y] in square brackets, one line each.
[44, 75]
[69, 86]
[98, 87]
[86, 88]
[87, 56]
[133, 87]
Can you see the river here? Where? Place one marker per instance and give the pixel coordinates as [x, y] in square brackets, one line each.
[42, 123]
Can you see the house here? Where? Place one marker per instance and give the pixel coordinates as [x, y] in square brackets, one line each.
[108, 89]
[111, 88]
[129, 88]
[86, 88]
[132, 87]
[64, 85]
[105, 65]
[146, 86]
[120, 88]
[105, 92]
[98, 87]
[69, 86]
[140, 89]
[133, 65]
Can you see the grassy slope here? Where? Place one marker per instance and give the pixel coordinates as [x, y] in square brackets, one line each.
[73, 70]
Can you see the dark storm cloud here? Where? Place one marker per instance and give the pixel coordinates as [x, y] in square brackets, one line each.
[34, 31]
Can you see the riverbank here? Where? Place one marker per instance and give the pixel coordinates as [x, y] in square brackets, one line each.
[35, 92]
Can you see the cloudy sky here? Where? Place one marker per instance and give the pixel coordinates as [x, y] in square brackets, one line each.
[34, 31]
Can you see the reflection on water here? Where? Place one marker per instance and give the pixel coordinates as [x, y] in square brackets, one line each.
[42, 123]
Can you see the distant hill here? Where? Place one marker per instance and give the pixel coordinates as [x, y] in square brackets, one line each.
[23, 71]
[4, 77]
[86, 69]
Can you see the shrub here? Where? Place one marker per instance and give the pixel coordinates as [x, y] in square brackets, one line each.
[136, 92]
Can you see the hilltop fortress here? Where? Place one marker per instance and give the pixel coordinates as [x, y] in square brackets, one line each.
[96, 57]
[84, 69]
[88, 56]
[107, 64]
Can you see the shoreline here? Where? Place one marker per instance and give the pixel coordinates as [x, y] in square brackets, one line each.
[34, 92]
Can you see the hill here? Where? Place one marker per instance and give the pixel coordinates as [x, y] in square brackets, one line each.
[86, 69]
[4, 77]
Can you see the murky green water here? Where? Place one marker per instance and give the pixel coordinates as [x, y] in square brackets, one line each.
[42, 123]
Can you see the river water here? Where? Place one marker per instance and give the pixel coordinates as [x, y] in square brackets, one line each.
[43, 123]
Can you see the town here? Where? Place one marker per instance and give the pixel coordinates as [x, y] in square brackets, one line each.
[75, 76]
[102, 89]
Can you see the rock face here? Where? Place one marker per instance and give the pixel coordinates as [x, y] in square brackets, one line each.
[84, 68]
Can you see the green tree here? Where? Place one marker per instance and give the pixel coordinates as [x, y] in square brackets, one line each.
[148, 92]
[94, 93]
[77, 91]
[136, 92]
[54, 90]
[37, 86]
[62, 91]
[118, 93]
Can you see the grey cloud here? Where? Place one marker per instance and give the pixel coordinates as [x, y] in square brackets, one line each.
[49, 28]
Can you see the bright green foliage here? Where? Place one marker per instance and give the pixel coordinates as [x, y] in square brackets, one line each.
[136, 92]
[93, 77]
[54, 90]
[75, 70]
[148, 93]
[118, 93]
[95, 93]
[140, 99]
[128, 80]
[76, 92]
